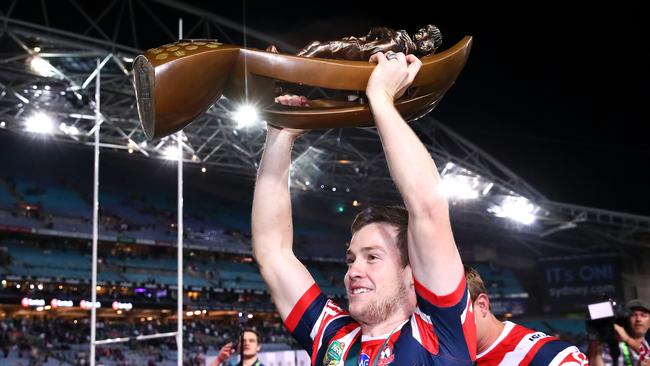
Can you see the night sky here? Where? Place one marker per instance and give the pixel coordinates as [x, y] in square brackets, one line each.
[557, 94]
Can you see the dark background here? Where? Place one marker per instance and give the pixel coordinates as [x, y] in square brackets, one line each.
[556, 91]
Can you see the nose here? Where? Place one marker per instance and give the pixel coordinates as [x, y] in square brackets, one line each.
[356, 269]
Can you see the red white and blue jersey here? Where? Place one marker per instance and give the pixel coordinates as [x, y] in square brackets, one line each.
[636, 356]
[644, 351]
[442, 331]
[521, 346]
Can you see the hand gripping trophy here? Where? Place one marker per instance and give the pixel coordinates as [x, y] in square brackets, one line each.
[177, 82]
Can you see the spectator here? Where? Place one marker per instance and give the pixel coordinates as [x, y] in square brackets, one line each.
[633, 346]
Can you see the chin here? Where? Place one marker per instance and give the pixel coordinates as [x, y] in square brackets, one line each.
[357, 309]
[363, 314]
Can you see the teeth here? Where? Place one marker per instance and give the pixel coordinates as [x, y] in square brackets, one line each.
[360, 290]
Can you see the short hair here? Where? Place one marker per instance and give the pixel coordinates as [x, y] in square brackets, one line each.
[474, 283]
[251, 330]
[394, 215]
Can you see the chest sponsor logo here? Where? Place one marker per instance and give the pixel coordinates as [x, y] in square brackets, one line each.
[334, 353]
[364, 360]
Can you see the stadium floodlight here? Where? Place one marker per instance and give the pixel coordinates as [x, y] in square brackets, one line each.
[245, 116]
[459, 187]
[458, 183]
[170, 152]
[41, 66]
[68, 130]
[516, 208]
[39, 123]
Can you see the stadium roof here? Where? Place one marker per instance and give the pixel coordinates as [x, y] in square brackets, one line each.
[50, 53]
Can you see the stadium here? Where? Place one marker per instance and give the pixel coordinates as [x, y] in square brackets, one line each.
[162, 273]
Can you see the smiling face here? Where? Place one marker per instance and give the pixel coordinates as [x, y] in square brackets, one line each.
[639, 322]
[377, 284]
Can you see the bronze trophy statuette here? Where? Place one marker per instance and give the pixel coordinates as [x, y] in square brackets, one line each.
[177, 82]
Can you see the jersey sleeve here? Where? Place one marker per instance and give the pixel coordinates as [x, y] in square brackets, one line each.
[445, 324]
[314, 320]
[558, 353]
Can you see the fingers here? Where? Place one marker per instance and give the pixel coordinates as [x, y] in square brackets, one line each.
[394, 73]
[226, 349]
[414, 65]
[377, 57]
[225, 352]
[401, 58]
[292, 100]
[410, 58]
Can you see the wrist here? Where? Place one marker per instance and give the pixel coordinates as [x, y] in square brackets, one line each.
[280, 135]
[379, 97]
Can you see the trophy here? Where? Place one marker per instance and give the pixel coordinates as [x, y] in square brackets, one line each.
[177, 82]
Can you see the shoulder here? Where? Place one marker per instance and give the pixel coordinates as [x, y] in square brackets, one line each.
[517, 343]
[538, 348]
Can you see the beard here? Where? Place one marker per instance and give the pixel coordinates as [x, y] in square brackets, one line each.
[378, 310]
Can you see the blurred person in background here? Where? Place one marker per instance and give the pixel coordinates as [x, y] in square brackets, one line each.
[250, 351]
[507, 343]
[633, 345]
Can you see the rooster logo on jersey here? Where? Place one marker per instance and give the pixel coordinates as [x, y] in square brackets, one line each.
[575, 358]
[385, 357]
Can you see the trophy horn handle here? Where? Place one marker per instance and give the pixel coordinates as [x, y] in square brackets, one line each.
[177, 82]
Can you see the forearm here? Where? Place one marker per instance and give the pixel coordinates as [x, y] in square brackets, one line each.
[272, 228]
[411, 167]
[286, 278]
[433, 255]
[623, 336]
[633, 343]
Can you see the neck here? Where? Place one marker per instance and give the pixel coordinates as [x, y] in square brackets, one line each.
[492, 331]
[382, 328]
[249, 360]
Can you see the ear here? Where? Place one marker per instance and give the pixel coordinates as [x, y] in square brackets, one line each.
[482, 305]
[408, 274]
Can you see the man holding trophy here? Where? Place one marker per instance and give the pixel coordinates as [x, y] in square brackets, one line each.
[409, 303]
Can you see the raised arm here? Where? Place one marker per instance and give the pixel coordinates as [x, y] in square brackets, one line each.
[285, 276]
[433, 255]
